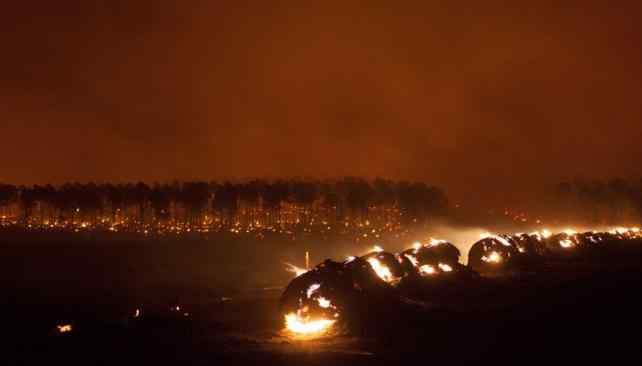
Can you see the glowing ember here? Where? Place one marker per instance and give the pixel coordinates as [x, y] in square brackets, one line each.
[434, 242]
[377, 249]
[416, 246]
[623, 230]
[294, 269]
[503, 241]
[565, 243]
[427, 270]
[494, 257]
[64, 328]
[324, 303]
[444, 267]
[312, 289]
[382, 271]
[412, 260]
[305, 326]
[350, 259]
[544, 234]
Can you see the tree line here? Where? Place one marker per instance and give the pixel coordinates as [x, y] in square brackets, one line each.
[253, 202]
[611, 201]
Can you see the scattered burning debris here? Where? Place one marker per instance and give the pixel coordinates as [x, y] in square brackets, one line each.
[64, 328]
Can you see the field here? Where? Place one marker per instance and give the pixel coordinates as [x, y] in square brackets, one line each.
[200, 300]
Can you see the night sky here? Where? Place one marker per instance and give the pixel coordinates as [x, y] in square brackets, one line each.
[488, 99]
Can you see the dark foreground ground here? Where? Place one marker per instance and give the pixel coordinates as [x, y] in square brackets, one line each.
[568, 312]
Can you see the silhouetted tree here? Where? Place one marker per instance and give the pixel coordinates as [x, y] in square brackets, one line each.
[159, 199]
[8, 194]
[249, 203]
[140, 195]
[359, 195]
[226, 202]
[195, 196]
[273, 195]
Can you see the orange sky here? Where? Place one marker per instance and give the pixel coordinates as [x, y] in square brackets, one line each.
[491, 100]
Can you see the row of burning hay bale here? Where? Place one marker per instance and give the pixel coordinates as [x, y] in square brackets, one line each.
[521, 251]
[333, 294]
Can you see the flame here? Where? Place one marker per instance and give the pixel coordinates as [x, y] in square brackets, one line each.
[306, 326]
[350, 259]
[633, 232]
[544, 234]
[427, 269]
[377, 249]
[445, 267]
[323, 302]
[435, 242]
[294, 269]
[565, 243]
[412, 260]
[503, 241]
[416, 246]
[620, 230]
[382, 271]
[312, 289]
[64, 328]
[494, 257]
[569, 232]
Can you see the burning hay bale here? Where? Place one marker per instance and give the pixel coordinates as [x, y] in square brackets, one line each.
[509, 252]
[527, 251]
[347, 295]
[330, 295]
[432, 260]
[339, 295]
[592, 247]
[564, 243]
[492, 253]
[529, 246]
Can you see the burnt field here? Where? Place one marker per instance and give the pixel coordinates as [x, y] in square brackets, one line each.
[198, 300]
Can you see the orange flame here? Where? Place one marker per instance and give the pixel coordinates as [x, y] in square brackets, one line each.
[305, 326]
[294, 269]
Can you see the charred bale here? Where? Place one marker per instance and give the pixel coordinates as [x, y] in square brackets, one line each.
[442, 252]
[492, 255]
[531, 251]
[348, 292]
